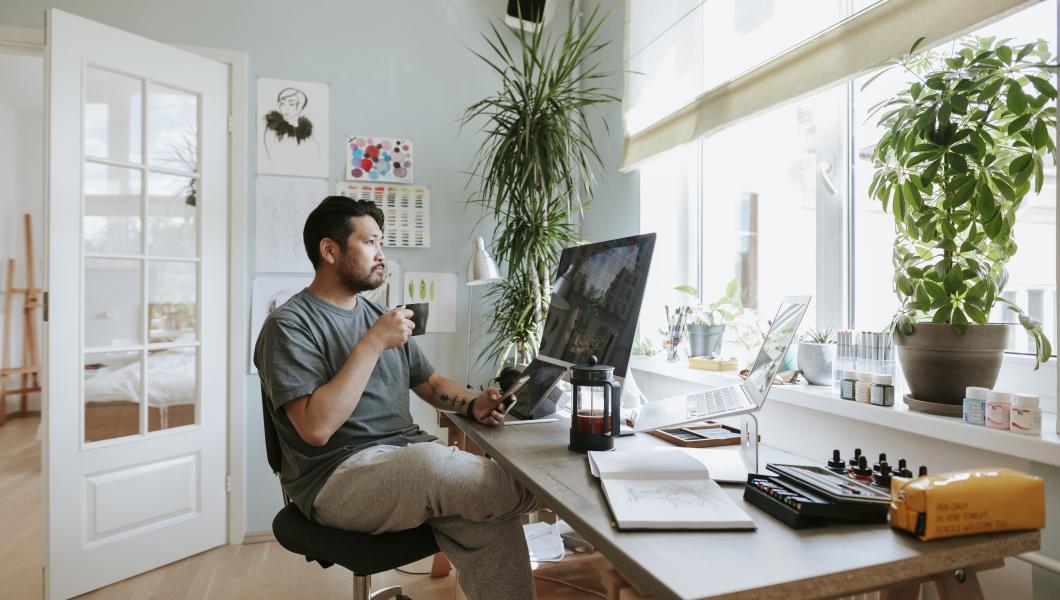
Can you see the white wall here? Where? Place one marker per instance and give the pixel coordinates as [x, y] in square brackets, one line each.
[21, 191]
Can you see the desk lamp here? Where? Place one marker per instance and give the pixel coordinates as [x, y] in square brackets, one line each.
[481, 270]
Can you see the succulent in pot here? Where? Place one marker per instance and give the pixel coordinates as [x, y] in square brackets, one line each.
[815, 356]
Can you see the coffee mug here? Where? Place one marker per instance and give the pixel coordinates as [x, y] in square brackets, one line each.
[420, 310]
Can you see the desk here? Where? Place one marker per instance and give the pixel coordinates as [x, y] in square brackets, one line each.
[773, 562]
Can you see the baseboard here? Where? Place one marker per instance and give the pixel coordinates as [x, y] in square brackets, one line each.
[257, 537]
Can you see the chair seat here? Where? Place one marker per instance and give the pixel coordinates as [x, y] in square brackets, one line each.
[361, 553]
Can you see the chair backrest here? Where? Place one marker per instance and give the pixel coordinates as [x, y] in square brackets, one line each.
[272, 440]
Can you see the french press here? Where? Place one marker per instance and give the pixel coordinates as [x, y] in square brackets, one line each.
[595, 409]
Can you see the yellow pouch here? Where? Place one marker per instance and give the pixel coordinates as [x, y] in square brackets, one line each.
[967, 502]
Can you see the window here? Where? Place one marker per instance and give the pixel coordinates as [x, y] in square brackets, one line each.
[762, 191]
[780, 199]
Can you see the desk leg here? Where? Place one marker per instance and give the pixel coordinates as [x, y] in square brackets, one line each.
[958, 584]
[618, 588]
[902, 591]
[963, 584]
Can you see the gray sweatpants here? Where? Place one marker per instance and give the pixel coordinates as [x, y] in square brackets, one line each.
[472, 504]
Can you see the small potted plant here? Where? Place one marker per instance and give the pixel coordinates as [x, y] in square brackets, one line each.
[706, 323]
[816, 355]
[965, 142]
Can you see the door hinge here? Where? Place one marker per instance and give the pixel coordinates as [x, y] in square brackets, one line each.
[228, 484]
[45, 306]
[229, 123]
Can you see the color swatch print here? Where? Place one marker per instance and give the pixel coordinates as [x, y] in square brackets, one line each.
[378, 159]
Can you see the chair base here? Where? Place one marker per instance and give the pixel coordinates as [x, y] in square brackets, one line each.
[362, 590]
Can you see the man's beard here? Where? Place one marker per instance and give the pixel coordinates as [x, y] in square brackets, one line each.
[355, 283]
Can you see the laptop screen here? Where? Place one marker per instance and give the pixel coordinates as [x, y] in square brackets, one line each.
[781, 332]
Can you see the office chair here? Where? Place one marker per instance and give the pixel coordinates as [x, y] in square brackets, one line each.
[362, 553]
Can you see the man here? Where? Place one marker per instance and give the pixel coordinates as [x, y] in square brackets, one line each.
[336, 370]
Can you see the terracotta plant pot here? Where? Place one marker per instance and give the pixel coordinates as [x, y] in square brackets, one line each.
[815, 362]
[939, 363]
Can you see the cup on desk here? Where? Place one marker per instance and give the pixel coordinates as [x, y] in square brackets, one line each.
[420, 310]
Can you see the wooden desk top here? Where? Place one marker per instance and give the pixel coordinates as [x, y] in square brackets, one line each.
[773, 562]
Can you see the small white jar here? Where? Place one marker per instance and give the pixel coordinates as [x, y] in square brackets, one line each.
[863, 388]
[998, 405]
[975, 405]
[1026, 416]
[882, 391]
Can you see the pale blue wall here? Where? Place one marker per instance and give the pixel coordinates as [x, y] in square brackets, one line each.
[616, 212]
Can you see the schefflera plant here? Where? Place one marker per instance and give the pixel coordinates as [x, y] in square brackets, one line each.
[964, 144]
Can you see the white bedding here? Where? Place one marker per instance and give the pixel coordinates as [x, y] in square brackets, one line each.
[170, 379]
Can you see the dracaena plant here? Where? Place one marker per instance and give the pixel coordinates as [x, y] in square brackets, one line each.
[534, 169]
[965, 142]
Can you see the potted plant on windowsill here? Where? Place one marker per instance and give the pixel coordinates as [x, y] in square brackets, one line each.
[816, 355]
[705, 328]
[964, 144]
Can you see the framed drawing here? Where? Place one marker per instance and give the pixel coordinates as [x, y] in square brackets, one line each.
[292, 128]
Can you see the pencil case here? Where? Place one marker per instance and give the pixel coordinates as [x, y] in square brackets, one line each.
[967, 502]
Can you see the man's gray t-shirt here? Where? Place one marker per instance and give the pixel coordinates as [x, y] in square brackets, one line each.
[303, 345]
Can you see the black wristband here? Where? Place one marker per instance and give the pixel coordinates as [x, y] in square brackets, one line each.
[470, 412]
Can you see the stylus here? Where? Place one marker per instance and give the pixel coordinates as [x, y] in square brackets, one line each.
[532, 421]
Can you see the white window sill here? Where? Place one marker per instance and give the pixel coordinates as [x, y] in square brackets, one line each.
[1044, 449]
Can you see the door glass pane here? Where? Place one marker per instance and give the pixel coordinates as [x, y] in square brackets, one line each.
[172, 388]
[112, 393]
[171, 215]
[113, 115]
[113, 305]
[173, 295]
[172, 128]
[112, 209]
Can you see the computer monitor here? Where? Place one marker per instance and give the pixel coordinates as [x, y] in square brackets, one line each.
[596, 302]
[593, 311]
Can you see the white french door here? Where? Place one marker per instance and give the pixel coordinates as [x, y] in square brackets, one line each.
[136, 274]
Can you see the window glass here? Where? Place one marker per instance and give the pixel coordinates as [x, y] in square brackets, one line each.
[761, 188]
[1032, 271]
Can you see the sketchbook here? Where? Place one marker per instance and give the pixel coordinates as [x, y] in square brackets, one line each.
[664, 490]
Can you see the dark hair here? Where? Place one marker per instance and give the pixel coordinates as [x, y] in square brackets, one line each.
[331, 219]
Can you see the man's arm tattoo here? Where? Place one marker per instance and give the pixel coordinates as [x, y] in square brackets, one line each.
[446, 402]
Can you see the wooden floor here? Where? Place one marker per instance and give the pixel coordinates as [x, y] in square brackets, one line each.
[259, 571]
[21, 509]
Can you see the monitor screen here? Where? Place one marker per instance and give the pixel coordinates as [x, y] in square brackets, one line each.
[781, 332]
[596, 301]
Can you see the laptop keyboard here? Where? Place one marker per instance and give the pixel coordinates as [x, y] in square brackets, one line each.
[712, 402]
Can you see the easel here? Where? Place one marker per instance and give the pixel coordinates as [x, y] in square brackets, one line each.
[30, 372]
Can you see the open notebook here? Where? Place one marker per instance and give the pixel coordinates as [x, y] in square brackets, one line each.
[664, 490]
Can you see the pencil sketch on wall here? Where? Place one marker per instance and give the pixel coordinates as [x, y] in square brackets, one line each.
[292, 128]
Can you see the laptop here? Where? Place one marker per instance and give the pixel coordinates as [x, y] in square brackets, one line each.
[738, 398]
